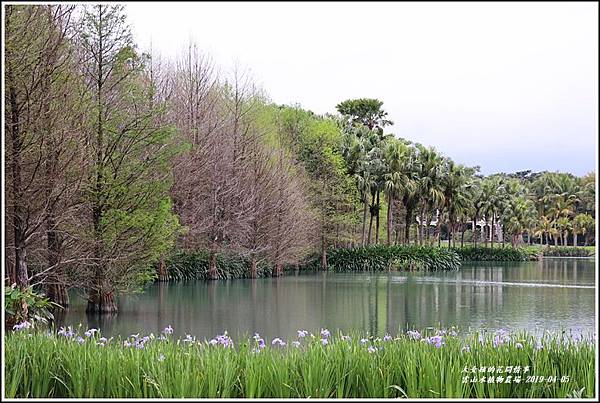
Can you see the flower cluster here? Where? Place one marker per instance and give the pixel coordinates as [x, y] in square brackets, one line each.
[500, 338]
[66, 332]
[22, 325]
[325, 336]
[223, 340]
[136, 341]
[278, 341]
[90, 332]
[414, 334]
[260, 343]
[437, 340]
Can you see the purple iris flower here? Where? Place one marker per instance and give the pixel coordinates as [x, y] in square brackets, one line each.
[277, 340]
[22, 325]
[66, 332]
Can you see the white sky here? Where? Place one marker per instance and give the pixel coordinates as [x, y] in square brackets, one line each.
[507, 86]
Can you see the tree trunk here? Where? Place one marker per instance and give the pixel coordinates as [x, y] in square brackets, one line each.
[212, 266]
[574, 238]
[377, 221]
[450, 233]
[323, 256]
[57, 293]
[371, 211]
[407, 226]
[21, 274]
[163, 275]
[364, 225]
[278, 270]
[492, 232]
[253, 268]
[474, 230]
[389, 221]
[56, 289]
[101, 302]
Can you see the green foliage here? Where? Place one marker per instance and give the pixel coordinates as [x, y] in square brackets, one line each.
[54, 366]
[565, 251]
[382, 258]
[38, 306]
[476, 253]
[188, 265]
[364, 111]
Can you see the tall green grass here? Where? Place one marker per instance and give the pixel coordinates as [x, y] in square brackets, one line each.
[383, 258]
[49, 365]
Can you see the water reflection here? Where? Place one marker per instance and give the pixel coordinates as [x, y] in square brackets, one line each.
[549, 295]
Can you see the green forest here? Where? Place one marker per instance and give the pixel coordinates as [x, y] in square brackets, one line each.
[116, 159]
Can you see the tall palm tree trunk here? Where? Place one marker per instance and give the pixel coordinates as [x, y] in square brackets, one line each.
[389, 220]
[364, 224]
[377, 220]
[371, 218]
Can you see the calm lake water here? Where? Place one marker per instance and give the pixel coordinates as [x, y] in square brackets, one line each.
[552, 294]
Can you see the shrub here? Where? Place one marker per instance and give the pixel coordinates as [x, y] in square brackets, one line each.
[477, 253]
[566, 251]
[38, 306]
[383, 258]
[188, 265]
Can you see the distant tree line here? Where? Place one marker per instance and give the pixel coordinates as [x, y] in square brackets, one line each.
[115, 158]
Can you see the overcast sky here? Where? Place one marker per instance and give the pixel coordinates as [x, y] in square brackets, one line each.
[507, 86]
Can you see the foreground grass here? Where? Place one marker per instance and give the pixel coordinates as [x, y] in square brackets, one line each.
[43, 365]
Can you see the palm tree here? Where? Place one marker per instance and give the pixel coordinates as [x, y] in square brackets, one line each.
[456, 185]
[491, 203]
[545, 229]
[430, 186]
[397, 180]
[364, 184]
[563, 225]
[581, 224]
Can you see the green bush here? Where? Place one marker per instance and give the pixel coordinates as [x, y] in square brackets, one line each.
[188, 265]
[566, 251]
[384, 258]
[38, 306]
[478, 253]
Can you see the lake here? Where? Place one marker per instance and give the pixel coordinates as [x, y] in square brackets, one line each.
[552, 294]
